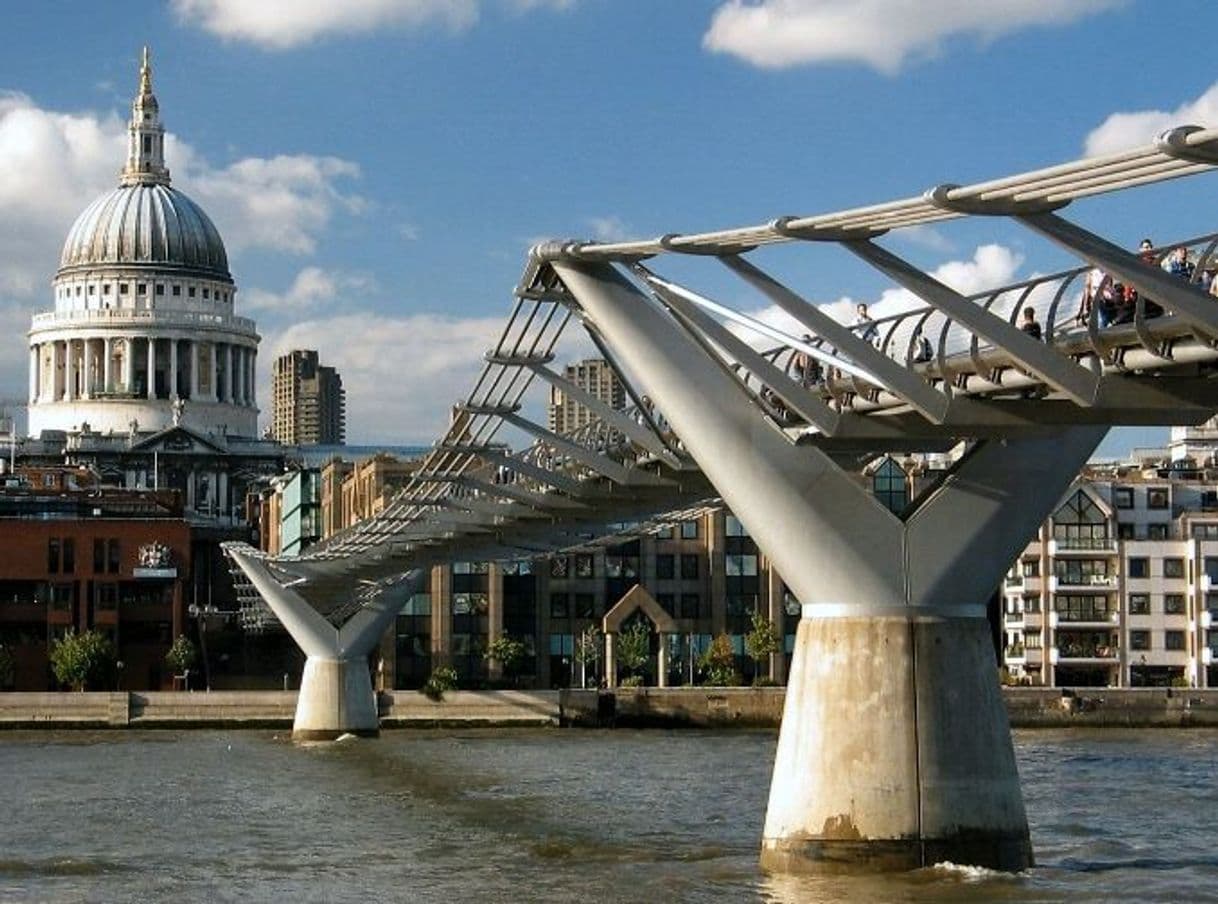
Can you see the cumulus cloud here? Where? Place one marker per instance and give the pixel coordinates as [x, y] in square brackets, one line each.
[401, 374]
[1121, 131]
[311, 288]
[282, 24]
[608, 229]
[990, 266]
[883, 34]
[53, 164]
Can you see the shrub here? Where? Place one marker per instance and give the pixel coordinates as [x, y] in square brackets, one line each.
[634, 648]
[181, 655]
[632, 681]
[442, 679]
[718, 663]
[83, 660]
[506, 650]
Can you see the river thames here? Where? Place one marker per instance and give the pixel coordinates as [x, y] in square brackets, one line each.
[554, 815]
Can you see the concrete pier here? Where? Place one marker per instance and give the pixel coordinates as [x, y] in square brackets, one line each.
[335, 698]
[892, 754]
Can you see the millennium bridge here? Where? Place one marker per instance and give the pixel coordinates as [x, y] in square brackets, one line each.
[892, 753]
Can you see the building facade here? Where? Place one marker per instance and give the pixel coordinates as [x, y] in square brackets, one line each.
[595, 377]
[308, 405]
[1120, 586]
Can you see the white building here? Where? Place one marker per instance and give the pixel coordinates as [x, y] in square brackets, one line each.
[143, 335]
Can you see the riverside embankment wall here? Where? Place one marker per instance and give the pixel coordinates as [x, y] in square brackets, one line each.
[625, 707]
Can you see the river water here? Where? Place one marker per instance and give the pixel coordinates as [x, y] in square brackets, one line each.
[551, 815]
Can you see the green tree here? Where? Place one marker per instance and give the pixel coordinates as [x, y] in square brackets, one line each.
[588, 648]
[634, 648]
[507, 651]
[83, 660]
[718, 663]
[443, 678]
[761, 643]
[181, 655]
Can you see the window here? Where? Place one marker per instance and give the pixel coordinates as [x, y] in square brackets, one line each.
[1139, 567]
[207, 293]
[1205, 531]
[1081, 607]
[1031, 568]
[665, 567]
[583, 565]
[1125, 531]
[691, 603]
[1156, 498]
[560, 605]
[1122, 497]
[99, 555]
[1173, 640]
[741, 565]
[53, 555]
[1139, 640]
[668, 603]
[177, 291]
[113, 556]
[689, 567]
[107, 597]
[141, 289]
[1032, 640]
[105, 288]
[1173, 603]
[1173, 568]
[585, 605]
[733, 528]
[1139, 604]
[122, 288]
[190, 292]
[664, 533]
[689, 530]
[558, 567]
[1080, 524]
[1156, 532]
[889, 484]
[62, 597]
[1081, 571]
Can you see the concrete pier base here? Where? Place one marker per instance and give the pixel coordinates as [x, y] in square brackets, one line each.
[895, 752]
[335, 698]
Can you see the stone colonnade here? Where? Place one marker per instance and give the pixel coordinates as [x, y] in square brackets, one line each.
[155, 367]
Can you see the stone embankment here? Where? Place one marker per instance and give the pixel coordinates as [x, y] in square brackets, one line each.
[734, 707]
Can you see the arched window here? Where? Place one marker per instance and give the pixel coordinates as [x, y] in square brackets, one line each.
[890, 485]
[1080, 522]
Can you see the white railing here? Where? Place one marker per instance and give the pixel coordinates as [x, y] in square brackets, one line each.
[154, 317]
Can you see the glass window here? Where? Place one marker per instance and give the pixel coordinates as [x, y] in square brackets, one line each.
[741, 565]
[560, 605]
[663, 533]
[890, 485]
[99, 555]
[53, 555]
[689, 566]
[1139, 640]
[733, 528]
[419, 604]
[666, 567]
[689, 530]
[1173, 603]
[668, 603]
[583, 565]
[1082, 607]
[107, 597]
[558, 567]
[113, 556]
[1122, 497]
[1139, 567]
[1173, 640]
[1031, 568]
[1156, 531]
[691, 604]
[585, 605]
[1081, 571]
[1173, 568]
[1205, 531]
[1139, 604]
[1126, 531]
[1080, 523]
[1156, 498]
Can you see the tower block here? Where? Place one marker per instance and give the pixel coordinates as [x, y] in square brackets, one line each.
[895, 751]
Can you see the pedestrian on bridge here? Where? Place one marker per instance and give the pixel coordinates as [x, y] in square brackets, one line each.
[1030, 326]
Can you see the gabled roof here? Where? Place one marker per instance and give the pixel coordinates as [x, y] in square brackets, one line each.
[178, 439]
[637, 599]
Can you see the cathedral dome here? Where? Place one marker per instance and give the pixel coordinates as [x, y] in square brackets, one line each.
[145, 223]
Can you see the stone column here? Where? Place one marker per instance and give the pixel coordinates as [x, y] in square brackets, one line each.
[173, 367]
[129, 366]
[214, 389]
[441, 615]
[228, 373]
[778, 616]
[34, 366]
[222, 480]
[251, 380]
[662, 661]
[108, 364]
[151, 367]
[610, 660]
[69, 372]
[86, 378]
[194, 368]
[494, 614]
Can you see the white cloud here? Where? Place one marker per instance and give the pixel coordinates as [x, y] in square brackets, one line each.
[990, 266]
[312, 288]
[53, 164]
[401, 374]
[608, 229]
[1121, 131]
[882, 34]
[282, 24]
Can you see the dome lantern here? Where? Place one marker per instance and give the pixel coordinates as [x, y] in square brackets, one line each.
[146, 135]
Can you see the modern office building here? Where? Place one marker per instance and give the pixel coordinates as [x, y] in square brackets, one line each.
[308, 403]
[595, 377]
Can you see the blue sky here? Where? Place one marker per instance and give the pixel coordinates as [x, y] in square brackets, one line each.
[379, 174]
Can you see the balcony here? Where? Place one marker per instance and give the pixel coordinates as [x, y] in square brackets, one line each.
[1014, 582]
[1083, 544]
[1096, 582]
[157, 317]
[1013, 654]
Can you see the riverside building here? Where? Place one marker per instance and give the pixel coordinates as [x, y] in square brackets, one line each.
[308, 403]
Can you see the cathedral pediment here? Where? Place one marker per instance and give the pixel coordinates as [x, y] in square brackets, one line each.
[179, 440]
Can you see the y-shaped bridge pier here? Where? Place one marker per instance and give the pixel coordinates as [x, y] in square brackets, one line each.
[895, 750]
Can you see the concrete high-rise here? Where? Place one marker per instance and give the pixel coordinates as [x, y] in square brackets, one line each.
[309, 405]
[595, 377]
